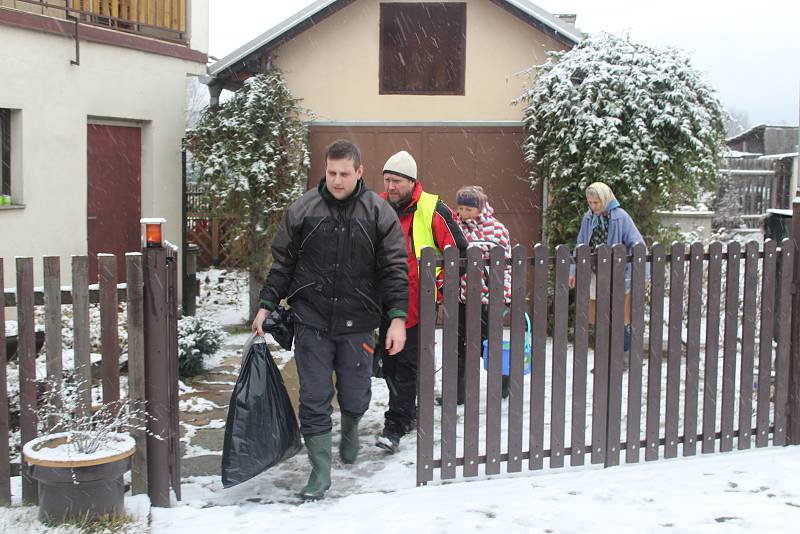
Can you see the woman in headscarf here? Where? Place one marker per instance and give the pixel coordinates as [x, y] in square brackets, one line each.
[481, 228]
[606, 223]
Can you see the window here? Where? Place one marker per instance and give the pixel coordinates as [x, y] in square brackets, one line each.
[423, 48]
[5, 151]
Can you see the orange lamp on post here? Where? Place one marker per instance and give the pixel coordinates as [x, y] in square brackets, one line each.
[153, 232]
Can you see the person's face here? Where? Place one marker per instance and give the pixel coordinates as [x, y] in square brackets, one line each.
[341, 177]
[467, 212]
[398, 189]
[595, 205]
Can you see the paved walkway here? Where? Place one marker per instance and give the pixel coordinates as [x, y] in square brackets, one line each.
[204, 409]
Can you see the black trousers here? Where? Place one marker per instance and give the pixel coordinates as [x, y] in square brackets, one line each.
[318, 356]
[400, 373]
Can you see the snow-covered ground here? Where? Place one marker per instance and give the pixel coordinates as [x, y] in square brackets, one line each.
[754, 491]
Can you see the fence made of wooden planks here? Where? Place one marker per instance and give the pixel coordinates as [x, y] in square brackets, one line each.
[108, 295]
[702, 374]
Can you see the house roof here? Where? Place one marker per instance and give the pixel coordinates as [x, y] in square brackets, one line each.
[757, 127]
[321, 9]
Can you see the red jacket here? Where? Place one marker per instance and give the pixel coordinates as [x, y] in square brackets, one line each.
[446, 232]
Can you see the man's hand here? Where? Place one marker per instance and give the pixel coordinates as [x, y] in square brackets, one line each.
[572, 281]
[258, 322]
[395, 336]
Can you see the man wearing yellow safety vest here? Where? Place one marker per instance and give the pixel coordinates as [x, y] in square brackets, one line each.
[426, 222]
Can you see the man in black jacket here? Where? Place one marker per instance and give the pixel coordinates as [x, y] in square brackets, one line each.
[339, 260]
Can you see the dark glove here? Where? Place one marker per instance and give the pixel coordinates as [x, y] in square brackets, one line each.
[279, 324]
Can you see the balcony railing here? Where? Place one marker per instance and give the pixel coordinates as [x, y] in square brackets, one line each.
[161, 19]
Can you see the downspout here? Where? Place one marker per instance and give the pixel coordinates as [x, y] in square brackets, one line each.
[214, 90]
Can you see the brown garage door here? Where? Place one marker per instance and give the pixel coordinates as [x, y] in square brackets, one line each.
[448, 157]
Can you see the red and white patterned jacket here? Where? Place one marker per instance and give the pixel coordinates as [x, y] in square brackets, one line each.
[486, 232]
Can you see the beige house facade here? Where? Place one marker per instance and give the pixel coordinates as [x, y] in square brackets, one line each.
[436, 78]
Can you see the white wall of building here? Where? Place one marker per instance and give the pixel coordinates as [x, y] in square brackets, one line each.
[52, 102]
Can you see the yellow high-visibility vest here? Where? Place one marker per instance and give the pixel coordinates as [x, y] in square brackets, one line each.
[422, 225]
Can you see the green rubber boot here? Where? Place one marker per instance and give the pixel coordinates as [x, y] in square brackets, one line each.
[319, 454]
[348, 446]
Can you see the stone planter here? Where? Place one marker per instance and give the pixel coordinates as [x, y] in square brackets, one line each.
[75, 486]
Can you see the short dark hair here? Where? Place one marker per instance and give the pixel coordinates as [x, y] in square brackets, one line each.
[343, 149]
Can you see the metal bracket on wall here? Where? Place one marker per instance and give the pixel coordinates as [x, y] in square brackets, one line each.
[77, 60]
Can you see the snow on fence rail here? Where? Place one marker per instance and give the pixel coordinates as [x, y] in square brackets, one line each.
[668, 402]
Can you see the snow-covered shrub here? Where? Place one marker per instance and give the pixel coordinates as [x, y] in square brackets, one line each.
[67, 322]
[86, 429]
[638, 118]
[252, 155]
[197, 338]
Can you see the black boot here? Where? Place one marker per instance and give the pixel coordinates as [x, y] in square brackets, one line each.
[389, 438]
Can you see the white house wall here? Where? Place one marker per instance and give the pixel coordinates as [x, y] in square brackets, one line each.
[52, 102]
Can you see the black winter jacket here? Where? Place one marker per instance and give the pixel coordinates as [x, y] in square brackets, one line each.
[342, 264]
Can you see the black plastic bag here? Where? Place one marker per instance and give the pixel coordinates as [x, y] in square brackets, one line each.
[279, 324]
[261, 430]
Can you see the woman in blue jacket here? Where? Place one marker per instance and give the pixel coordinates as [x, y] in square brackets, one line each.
[607, 223]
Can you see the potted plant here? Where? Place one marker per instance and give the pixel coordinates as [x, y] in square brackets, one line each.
[79, 459]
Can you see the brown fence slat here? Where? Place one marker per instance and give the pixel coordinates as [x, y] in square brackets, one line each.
[748, 345]
[80, 330]
[579, 355]
[449, 362]
[693, 349]
[655, 344]
[52, 329]
[519, 273]
[472, 364]
[765, 342]
[558, 378]
[633, 434]
[136, 386]
[677, 281]
[711, 366]
[427, 359]
[26, 356]
[5, 467]
[172, 352]
[109, 327]
[729, 345]
[601, 337]
[539, 344]
[619, 262]
[782, 367]
[497, 264]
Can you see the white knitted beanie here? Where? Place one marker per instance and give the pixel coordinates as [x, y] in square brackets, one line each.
[402, 164]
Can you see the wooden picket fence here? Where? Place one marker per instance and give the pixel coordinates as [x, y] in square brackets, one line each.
[141, 309]
[702, 401]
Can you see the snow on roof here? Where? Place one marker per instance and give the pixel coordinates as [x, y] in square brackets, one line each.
[739, 154]
[754, 128]
[272, 35]
[780, 156]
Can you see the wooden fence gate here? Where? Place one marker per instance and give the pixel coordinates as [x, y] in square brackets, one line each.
[151, 304]
[712, 364]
